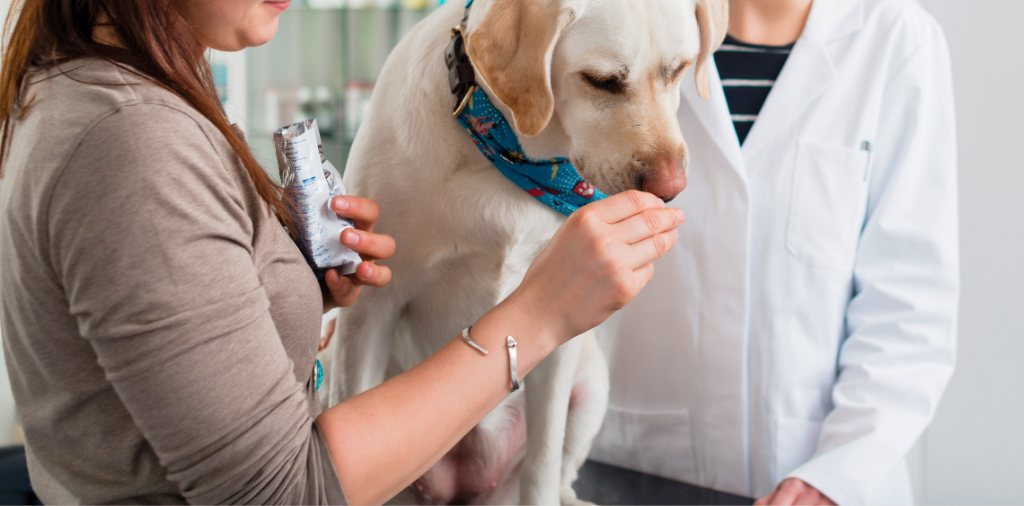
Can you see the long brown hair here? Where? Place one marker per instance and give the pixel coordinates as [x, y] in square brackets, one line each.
[155, 41]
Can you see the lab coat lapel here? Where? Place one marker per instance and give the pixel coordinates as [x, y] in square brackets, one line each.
[808, 72]
[715, 315]
[714, 117]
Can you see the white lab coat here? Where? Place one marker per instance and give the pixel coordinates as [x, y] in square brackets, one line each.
[805, 323]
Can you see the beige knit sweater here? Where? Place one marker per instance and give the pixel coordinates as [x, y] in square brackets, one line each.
[160, 327]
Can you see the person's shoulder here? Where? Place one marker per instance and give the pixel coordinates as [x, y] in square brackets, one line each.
[97, 105]
[153, 146]
[132, 138]
[147, 164]
[897, 10]
[906, 21]
[83, 91]
[97, 140]
[97, 99]
[878, 36]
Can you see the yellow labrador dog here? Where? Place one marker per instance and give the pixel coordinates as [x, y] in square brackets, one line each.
[595, 81]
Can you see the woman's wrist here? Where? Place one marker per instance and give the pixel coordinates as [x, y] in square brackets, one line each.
[516, 316]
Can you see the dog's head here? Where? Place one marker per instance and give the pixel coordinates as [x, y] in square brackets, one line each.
[601, 79]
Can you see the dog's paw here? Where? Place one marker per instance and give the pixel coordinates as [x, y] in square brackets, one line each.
[569, 498]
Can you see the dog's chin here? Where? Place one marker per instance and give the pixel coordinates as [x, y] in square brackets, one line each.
[610, 183]
[600, 180]
[603, 185]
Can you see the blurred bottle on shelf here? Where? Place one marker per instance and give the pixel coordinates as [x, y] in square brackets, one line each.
[228, 70]
[281, 107]
[303, 105]
[357, 105]
[271, 105]
[323, 64]
[219, 69]
[325, 110]
[285, 107]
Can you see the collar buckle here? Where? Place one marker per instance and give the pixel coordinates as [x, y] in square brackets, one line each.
[461, 75]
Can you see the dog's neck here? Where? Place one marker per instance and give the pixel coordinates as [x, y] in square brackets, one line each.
[553, 141]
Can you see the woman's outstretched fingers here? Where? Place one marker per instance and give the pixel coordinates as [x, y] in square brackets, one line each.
[649, 223]
[643, 275]
[362, 212]
[369, 273]
[624, 205]
[652, 248]
[794, 491]
[368, 244]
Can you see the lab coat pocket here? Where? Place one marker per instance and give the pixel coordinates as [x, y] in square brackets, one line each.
[795, 444]
[827, 204]
[654, 442]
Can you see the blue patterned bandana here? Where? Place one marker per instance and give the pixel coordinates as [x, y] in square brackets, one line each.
[554, 182]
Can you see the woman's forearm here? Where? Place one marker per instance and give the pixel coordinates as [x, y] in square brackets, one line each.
[385, 438]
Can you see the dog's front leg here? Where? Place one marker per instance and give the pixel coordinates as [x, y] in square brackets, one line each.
[361, 345]
[548, 388]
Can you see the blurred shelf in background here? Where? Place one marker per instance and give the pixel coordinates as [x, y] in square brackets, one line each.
[323, 63]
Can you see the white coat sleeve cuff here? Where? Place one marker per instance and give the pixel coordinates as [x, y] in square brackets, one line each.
[830, 482]
[833, 485]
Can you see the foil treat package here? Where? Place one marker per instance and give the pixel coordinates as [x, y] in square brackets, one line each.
[314, 182]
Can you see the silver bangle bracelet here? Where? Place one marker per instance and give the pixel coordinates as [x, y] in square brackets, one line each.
[512, 362]
[512, 355]
[471, 342]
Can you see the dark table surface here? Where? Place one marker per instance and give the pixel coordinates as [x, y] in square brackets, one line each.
[604, 484]
[597, 483]
[14, 485]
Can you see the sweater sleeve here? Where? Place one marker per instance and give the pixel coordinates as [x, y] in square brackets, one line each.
[150, 238]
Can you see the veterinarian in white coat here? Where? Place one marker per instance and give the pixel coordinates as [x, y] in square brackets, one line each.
[805, 325]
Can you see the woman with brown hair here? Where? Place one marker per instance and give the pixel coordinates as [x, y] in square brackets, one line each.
[160, 327]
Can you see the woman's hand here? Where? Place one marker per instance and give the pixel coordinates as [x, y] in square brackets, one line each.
[344, 290]
[383, 439]
[795, 491]
[597, 262]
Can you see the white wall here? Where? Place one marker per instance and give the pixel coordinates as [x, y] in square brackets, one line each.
[974, 451]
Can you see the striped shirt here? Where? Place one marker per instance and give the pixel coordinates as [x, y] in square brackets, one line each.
[748, 73]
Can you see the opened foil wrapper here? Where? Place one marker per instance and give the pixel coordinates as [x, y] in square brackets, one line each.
[314, 182]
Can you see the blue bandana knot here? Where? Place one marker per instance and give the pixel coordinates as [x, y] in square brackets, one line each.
[554, 182]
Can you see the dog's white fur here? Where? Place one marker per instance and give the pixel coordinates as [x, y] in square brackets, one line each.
[466, 234]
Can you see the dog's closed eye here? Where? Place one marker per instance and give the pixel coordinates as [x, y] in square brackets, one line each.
[678, 71]
[614, 84]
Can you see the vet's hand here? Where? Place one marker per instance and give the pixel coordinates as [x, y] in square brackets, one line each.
[795, 491]
[327, 332]
[370, 246]
[598, 261]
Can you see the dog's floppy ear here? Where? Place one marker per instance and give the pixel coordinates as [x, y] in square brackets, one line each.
[511, 50]
[713, 20]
